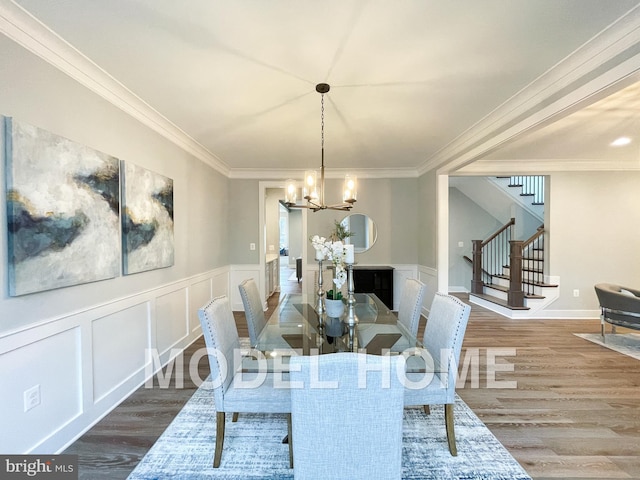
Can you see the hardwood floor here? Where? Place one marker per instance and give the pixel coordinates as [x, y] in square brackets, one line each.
[574, 414]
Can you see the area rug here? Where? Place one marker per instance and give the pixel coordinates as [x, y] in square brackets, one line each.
[625, 343]
[253, 447]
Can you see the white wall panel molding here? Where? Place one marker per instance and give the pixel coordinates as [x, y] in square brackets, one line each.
[86, 362]
[116, 358]
[27, 31]
[428, 276]
[52, 367]
[171, 320]
[238, 274]
[400, 274]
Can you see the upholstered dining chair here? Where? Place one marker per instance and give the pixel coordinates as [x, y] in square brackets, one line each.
[221, 338]
[410, 306]
[343, 429]
[442, 340]
[252, 308]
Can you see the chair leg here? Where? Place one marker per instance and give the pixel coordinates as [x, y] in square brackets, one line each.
[448, 421]
[235, 417]
[290, 440]
[427, 410]
[219, 438]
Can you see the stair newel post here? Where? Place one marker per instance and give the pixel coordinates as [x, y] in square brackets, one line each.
[476, 280]
[515, 296]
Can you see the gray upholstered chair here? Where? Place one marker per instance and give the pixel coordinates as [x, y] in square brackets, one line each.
[619, 306]
[346, 430]
[252, 308]
[221, 338]
[410, 306]
[442, 340]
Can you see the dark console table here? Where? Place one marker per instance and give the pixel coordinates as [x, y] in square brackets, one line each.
[378, 280]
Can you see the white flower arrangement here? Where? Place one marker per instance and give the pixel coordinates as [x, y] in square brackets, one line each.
[335, 252]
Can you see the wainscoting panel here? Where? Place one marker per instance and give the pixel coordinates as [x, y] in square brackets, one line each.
[171, 320]
[87, 362]
[200, 294]
[238, 274]
[400, 275]
[52, 367]
[428, 276]
[116, 356]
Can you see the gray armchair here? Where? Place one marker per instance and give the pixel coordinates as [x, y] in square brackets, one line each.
[252, 309]
[620, 306]
[221, 338]
[442, 339]
[344, 427]
[410, 306]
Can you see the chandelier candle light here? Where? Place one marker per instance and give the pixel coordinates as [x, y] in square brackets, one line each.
[313, 190]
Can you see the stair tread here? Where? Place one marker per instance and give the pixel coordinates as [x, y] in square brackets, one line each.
[537, 284]
[497, 301]
[506, 289]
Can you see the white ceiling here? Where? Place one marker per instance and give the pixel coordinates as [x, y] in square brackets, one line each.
[407, 77]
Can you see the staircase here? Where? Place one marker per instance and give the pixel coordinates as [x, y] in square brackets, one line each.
[508, 275]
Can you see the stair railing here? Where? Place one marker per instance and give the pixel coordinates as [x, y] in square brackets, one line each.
[532, 252]
[490, 256]
[532, 186]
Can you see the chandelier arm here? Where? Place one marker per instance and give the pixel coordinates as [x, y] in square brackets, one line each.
[315, 198]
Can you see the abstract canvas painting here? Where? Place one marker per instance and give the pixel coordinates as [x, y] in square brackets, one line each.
[147, 219]
[63, 202]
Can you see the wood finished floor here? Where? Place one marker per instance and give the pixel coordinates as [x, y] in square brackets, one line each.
[574, 414]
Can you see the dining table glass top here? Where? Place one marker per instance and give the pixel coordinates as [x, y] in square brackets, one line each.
[295, 328]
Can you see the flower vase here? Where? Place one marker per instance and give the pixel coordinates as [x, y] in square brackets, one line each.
[334, 308]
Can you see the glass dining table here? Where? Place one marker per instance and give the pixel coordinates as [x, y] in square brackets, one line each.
[295, 328]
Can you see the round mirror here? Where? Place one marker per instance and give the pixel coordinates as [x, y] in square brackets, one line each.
[363, 229]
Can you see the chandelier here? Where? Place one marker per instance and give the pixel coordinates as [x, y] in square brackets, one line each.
[313, 188]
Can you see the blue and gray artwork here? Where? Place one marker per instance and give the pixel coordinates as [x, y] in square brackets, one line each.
[147, 219]
[62, 211]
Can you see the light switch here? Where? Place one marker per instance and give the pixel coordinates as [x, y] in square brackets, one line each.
[461, 244]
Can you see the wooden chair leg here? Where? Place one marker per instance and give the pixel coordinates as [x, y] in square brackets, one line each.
[451, 436]
[427, 410]
[235, 417]
[290, 440]
[219, 438]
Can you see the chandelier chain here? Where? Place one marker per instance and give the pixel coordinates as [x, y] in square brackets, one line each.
[322, 121]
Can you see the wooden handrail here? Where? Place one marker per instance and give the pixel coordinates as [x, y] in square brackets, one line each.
[533, 237]
[507, 225]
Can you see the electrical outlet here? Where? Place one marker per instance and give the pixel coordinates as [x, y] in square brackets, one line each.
[576, 292]
[31, 398]
[271, 248]
[252, 246]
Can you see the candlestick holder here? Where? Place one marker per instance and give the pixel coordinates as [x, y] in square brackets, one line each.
[352, 319]
[320, 301]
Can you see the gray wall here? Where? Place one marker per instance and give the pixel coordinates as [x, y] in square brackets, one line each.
[467, 222]
[427, 215]
[594, 233]
[392, 203]
[34, 92]
[85, 346]
[295, 235]
[244, 217]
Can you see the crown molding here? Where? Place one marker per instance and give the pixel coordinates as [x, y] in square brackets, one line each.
[610, 57]
[331, 173]
[30, 33]
[544, 166]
